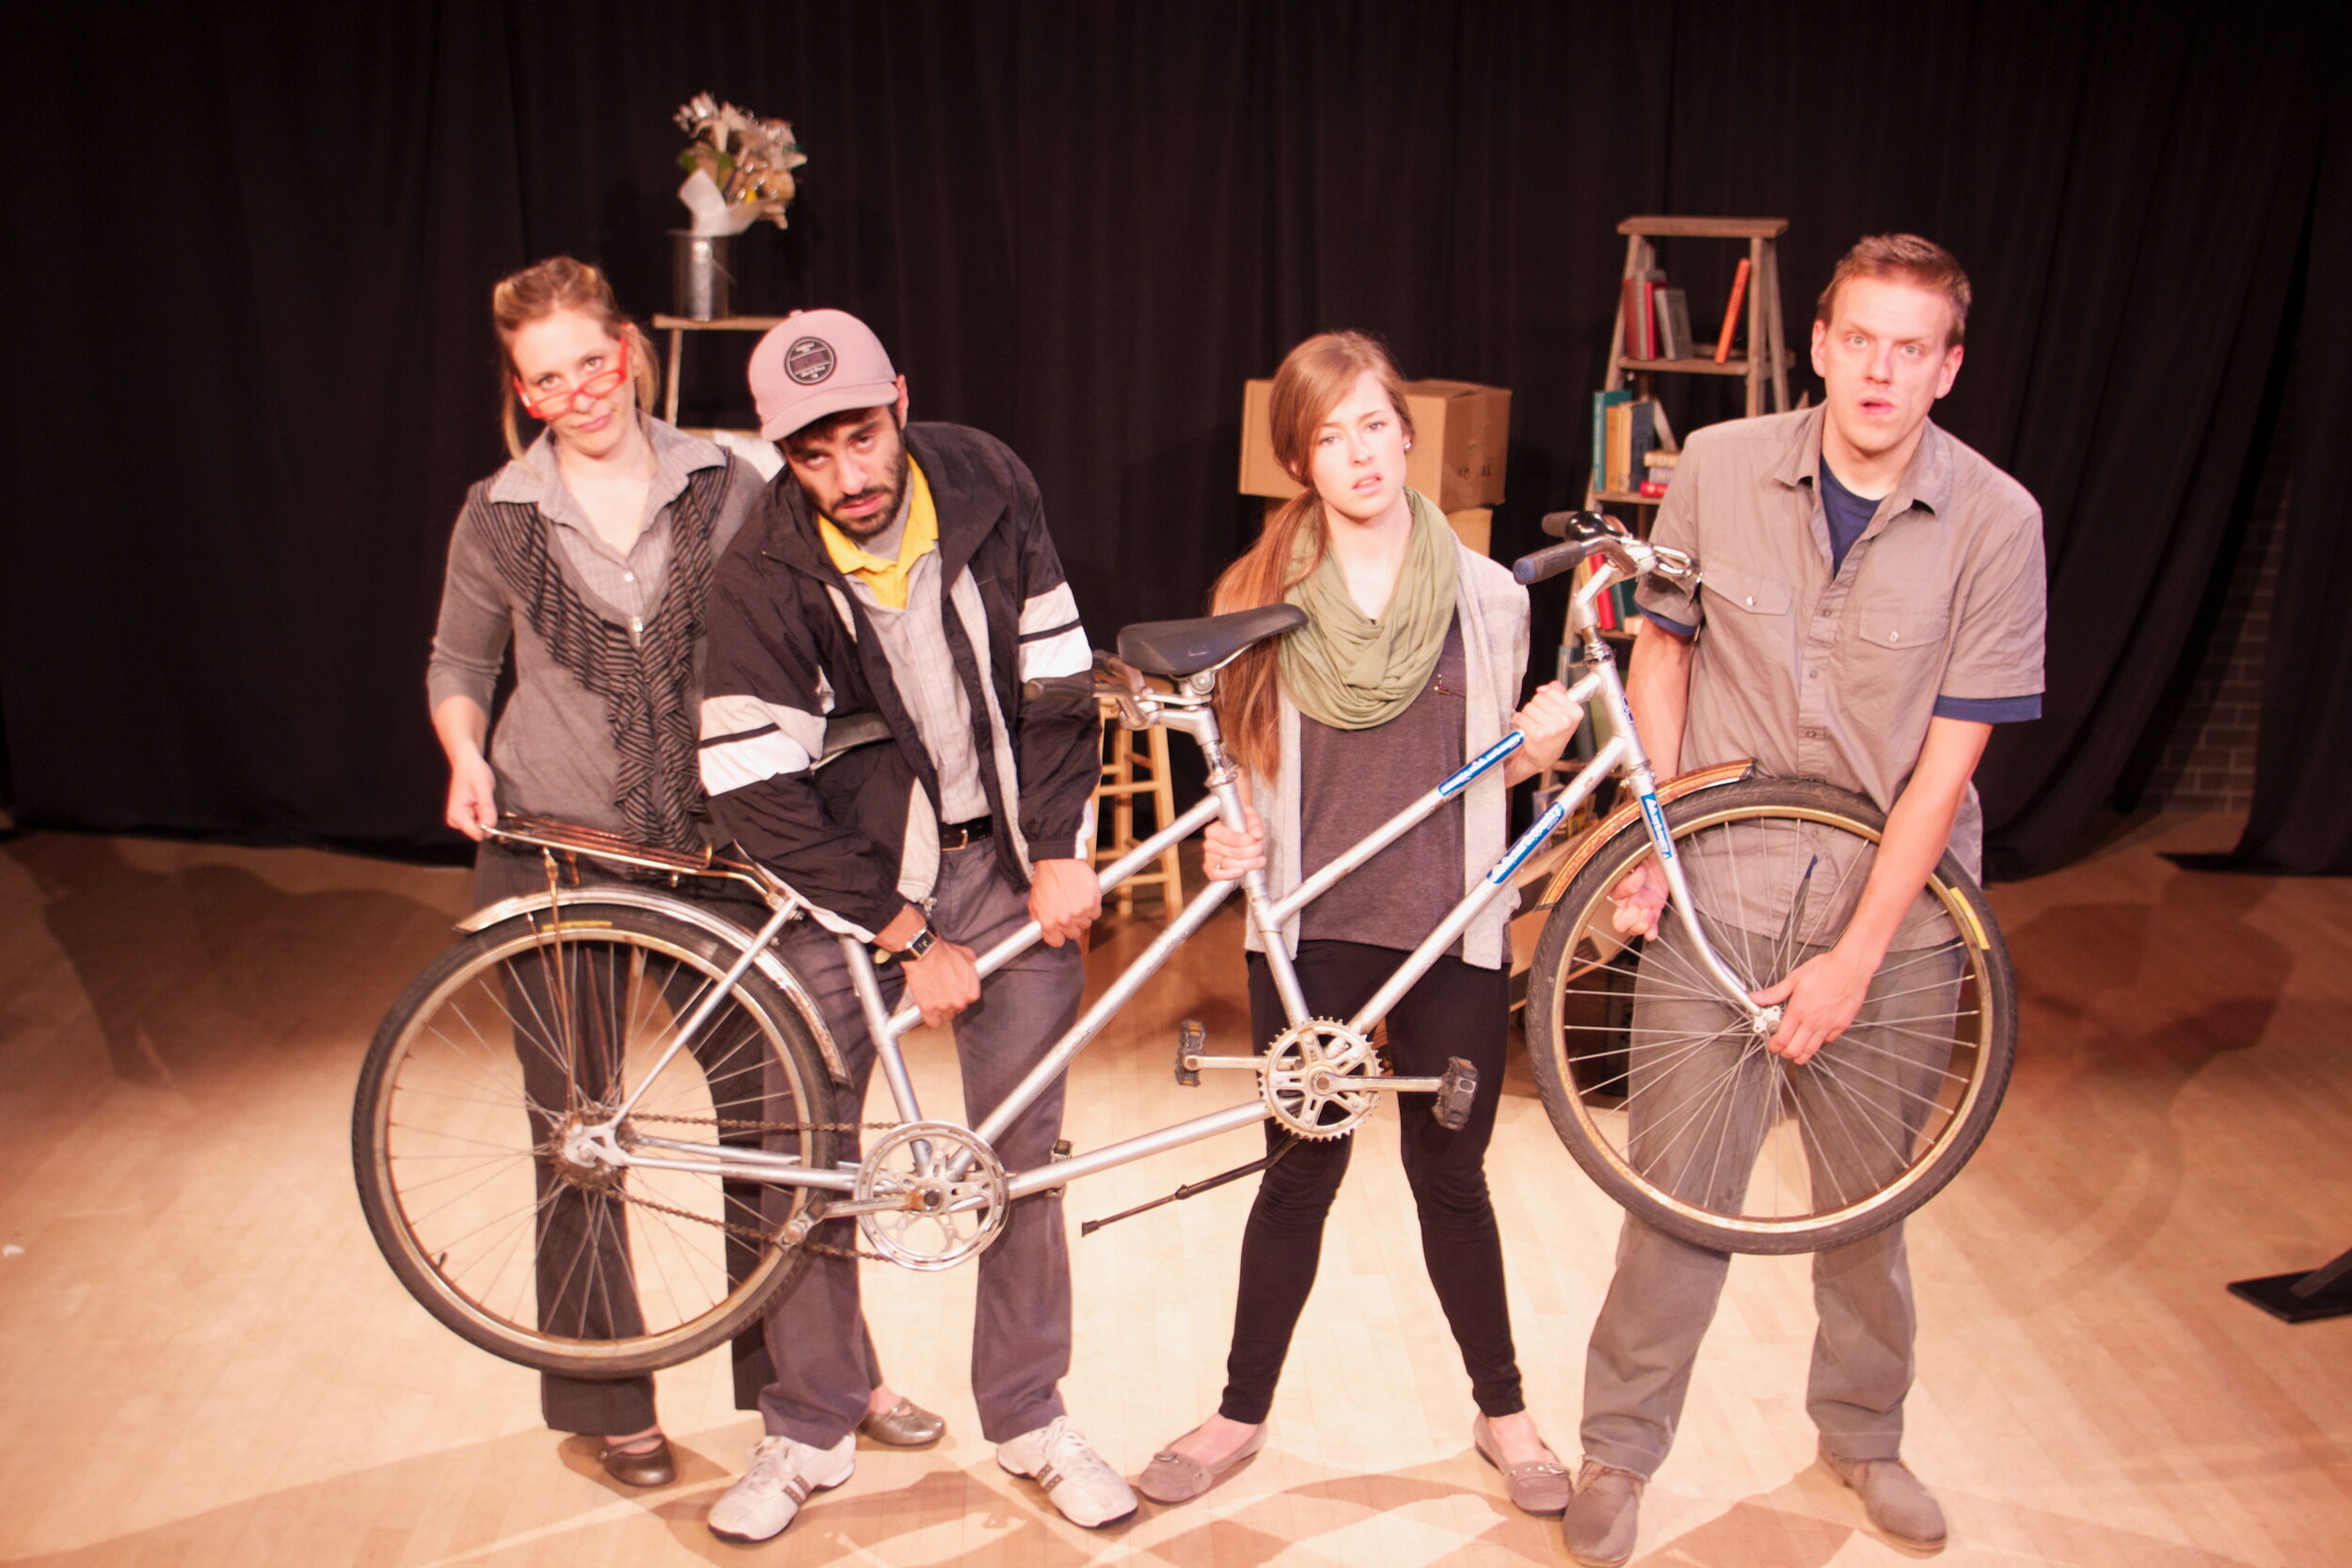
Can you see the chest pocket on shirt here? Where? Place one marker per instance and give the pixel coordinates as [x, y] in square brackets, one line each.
[1734, 586]
[1901, 628]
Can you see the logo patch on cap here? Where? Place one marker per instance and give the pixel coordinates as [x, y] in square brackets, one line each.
[809, 360]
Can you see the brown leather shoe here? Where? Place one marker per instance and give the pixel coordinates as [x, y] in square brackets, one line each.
[1893, 1498]
[904, 1425]
[638, 1466]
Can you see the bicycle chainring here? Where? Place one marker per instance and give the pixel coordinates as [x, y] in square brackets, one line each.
[1307, 1074]
[942, 1217]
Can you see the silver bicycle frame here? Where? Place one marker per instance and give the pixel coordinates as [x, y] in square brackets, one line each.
[1187, 710]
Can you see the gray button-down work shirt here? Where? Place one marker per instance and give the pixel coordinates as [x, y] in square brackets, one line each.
[1937, 611]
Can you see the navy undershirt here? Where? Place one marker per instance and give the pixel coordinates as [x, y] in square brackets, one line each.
[1848, 513]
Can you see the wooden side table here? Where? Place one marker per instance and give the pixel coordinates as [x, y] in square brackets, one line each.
[679, 326]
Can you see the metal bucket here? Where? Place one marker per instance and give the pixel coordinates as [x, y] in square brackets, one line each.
[699, 280]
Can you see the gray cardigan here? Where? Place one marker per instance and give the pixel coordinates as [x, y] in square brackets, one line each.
[552, 749]
[1493, 612]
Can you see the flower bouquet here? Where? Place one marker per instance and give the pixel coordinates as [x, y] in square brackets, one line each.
[739, 167]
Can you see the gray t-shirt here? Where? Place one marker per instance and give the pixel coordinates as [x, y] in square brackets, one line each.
[1352, 781]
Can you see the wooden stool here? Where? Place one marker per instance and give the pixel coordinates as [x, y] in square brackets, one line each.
[1125, 775]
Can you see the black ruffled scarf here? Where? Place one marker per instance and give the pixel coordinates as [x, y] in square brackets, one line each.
[646, 687]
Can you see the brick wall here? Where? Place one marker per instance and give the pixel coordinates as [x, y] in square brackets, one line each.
[2207, 760]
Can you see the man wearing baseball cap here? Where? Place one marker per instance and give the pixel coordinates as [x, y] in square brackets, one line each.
[905, 570]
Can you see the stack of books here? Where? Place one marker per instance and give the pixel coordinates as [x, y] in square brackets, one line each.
[1657, 319]
[1633, 446]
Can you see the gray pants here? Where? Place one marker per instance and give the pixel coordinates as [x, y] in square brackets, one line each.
[1646, 1338]
[1021, 1336]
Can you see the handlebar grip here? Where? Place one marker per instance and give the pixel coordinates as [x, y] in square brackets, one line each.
[1577, 525]
[1063, 689]
[1553, 559]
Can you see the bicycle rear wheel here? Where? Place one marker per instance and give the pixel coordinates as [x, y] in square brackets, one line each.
[525, 1030]
[1670, 1101]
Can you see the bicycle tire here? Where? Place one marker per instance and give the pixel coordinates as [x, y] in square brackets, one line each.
[1593, 1062]
[575, 1274]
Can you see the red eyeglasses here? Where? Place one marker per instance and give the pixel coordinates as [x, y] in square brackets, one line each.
[553, 405]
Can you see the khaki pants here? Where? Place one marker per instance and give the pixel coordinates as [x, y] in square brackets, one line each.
[1637, 1369]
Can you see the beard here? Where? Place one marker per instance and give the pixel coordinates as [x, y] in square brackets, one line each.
[863, 529]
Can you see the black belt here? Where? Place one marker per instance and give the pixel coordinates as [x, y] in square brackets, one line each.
[956, 835]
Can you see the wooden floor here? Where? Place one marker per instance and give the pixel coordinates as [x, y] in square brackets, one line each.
[203, 1361]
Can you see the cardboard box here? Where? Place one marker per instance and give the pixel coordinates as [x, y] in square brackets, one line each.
[1474, 526]
[1461, 441]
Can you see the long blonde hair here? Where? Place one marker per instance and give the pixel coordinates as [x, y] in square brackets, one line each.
[1315, 377]
[559, 283]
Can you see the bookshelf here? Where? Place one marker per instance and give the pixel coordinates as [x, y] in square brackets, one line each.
[1764, 364]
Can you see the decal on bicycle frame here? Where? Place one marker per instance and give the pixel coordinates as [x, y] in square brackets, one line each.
[1656, 815]
[1483, 761]
[1536, 833]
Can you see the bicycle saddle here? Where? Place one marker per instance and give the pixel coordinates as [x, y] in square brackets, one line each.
[1175, 649]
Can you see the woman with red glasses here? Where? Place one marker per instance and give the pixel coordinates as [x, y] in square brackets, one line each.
[592, 553]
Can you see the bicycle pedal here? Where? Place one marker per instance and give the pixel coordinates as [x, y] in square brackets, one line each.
[1192, 1042]
[1456, 1088]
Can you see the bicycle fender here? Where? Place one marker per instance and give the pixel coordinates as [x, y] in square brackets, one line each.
[1628, 813]
[726, 931]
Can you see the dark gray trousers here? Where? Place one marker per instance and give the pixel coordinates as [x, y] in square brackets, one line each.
[1020, 1333]
[1646, 1341]
[612, 1406]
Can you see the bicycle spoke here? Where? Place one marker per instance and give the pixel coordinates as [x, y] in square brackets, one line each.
[1869, 1119]
[1849, 1038]
[1655, 1060]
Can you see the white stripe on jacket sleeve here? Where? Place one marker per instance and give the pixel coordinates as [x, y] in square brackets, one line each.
[1053, 640]
[745, 741]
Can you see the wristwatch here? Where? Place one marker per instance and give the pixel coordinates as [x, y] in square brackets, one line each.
[919, 944]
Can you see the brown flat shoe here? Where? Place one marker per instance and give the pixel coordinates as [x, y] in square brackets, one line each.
[638, 1466]
[904, 1425]
[1541, 1488]
[1170, 1478]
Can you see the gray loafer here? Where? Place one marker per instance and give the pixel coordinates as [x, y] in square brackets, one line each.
[904, 1425]
[1894, 1498]
[1541, 1488]
[1170, 1478]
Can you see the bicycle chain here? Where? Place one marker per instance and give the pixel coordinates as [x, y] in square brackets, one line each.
[747, 1232]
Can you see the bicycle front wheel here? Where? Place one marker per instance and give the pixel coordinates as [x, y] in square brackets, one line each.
[476, 1182]
[1670, 1100]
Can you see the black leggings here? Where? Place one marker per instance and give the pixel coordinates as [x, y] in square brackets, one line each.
[1456, 1009]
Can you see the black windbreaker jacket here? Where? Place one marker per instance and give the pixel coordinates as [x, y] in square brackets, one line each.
[790, 644]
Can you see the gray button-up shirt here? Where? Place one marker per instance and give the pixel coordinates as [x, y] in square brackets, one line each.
[1937, 611]
[915, 640]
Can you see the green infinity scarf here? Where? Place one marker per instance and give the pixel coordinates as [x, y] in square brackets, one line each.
[1352, 672]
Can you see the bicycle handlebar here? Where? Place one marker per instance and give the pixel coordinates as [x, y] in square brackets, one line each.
[1067, 689]
[1553, 559]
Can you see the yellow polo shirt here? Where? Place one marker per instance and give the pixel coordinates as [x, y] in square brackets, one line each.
[888, 578]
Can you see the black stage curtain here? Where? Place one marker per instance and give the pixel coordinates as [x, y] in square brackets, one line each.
[253, 248]
[2302, 815]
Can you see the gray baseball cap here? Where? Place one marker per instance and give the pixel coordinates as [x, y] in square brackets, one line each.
[817, 362]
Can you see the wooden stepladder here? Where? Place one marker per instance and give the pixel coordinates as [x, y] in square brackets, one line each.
[1766, 361]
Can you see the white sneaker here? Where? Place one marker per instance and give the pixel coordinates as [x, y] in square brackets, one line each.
[778, 1480]
[1057, 1457]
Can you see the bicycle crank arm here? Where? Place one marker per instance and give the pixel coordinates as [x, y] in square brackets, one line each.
[1211, 1064]
[1455, 1088]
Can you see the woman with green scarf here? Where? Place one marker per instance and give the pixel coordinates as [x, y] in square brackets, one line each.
[1409, 662]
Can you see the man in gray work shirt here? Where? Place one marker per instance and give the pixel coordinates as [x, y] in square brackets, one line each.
[906, 571]
[1870, 605]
